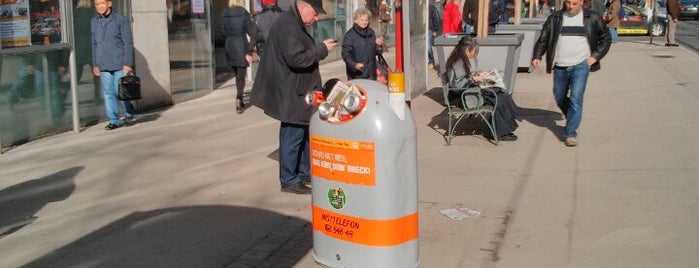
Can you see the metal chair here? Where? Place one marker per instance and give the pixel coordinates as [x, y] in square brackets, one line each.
[471, 104]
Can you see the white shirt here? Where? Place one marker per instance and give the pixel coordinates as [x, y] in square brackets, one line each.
[572, 47]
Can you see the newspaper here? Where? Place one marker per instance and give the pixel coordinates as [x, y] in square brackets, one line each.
[493, 79]
[459, 213]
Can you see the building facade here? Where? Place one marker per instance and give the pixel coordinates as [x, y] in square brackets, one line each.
[46, 82]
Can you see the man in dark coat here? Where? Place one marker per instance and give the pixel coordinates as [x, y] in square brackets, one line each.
[288, 71]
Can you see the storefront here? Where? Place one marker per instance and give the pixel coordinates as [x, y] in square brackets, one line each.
[44, 89]
[46, 80]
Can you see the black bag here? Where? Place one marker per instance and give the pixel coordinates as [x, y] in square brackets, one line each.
[382, 69]
[129, 88]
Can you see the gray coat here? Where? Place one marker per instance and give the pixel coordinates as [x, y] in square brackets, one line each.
[288, 70]
[112, 44]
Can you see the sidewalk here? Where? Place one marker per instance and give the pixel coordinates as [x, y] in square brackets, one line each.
[196, 185]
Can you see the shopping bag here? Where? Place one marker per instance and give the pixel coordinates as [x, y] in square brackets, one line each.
[382, 69]
[129, 88]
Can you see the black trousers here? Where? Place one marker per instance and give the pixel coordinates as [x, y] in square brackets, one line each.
[239, 81]
[505, 111]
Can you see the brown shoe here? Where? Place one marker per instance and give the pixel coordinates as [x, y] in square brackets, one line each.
[571, 142]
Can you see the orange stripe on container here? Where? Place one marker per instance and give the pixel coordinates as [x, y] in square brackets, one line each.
[368, 232]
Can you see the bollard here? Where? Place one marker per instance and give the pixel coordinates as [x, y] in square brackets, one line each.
[364, 178]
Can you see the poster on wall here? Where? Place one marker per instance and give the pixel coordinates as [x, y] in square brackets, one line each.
[14, 23]
[45, 20]
[198, 6]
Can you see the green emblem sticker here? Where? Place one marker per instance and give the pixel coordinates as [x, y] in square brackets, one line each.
[337, 198]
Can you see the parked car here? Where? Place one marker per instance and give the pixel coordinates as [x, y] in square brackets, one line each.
[636, 22]
[689, 9]
[660, 9]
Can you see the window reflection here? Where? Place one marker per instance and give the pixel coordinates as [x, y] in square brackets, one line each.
[191, 67]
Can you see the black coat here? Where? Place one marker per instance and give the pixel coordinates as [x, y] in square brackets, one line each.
[236, 26]
[359, 45]
[288, 70]
[595, 30]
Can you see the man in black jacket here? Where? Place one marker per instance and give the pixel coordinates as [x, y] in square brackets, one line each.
[574, 41]
[287, 72]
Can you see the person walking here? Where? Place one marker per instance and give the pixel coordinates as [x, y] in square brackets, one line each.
[384, 19]
[286, 74]
[435, 26]
[673, 11]
[613, 19]
[451, 19]
[264, 21]
[236, 26]
[574, 41]
[360, 47]
[112, 58]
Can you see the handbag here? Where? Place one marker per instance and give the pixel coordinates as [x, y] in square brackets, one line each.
[129, 88]
[382, 69]
[385, 17]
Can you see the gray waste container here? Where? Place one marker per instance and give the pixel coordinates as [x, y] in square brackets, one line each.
[364, 176]
[531, 34]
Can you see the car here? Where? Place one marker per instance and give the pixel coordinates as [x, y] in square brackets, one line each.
[660, 9]
[636, 22]
[689, 9]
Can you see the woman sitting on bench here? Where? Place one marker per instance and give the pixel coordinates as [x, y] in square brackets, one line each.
[458, 75]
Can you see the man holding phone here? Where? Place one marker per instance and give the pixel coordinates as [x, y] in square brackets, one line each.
[286, 74]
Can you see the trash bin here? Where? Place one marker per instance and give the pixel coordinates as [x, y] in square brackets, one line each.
[531, 34]
[497, 51]
[364, 180]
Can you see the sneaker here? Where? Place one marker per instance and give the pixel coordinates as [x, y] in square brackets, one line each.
[571, 142]
[111, 126]
[672, 45]
[128, 121]
[297, 188]
[430, 66]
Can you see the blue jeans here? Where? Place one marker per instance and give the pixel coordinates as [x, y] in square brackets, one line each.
[568, 90]
[615, 36]
[110, 87]
[294, 157]
[430, 54]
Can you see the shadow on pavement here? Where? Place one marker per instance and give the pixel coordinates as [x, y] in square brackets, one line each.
[542, 118]
[193, 236]
[468, 126]
[19, 203]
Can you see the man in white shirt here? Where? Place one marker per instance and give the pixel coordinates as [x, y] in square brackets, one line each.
[574, 41]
